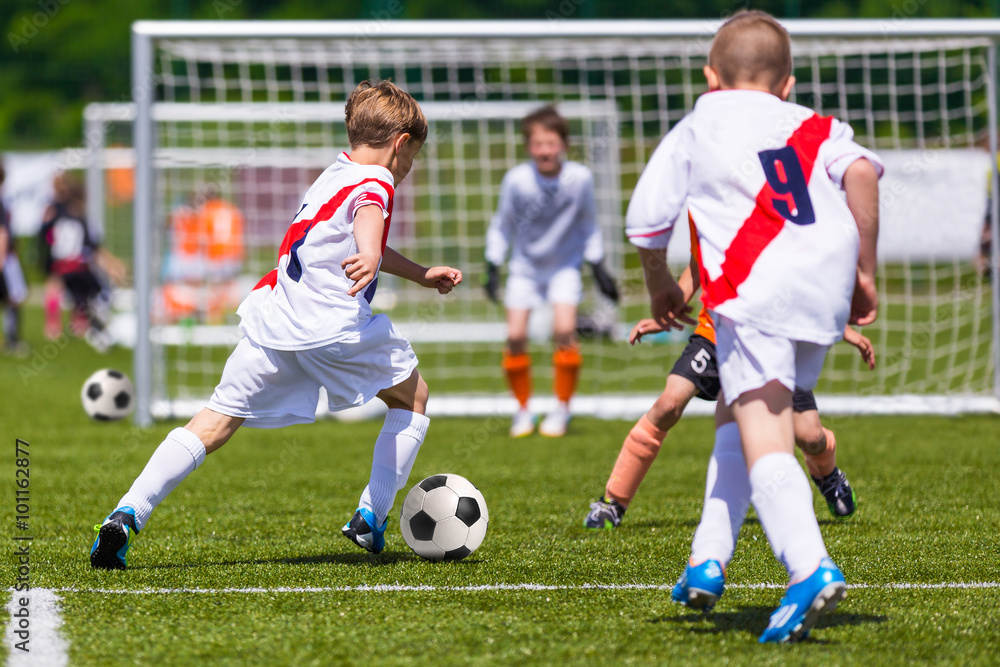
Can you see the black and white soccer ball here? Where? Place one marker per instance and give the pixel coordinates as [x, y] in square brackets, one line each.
[444, 517]
[108, 395]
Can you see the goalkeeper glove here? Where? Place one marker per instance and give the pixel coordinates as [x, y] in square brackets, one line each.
[491, 281]
[604, 281]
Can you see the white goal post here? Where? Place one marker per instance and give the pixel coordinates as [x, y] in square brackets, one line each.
[265, 99]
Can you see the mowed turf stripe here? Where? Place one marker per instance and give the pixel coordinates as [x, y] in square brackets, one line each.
[45, 645]
[403, 588]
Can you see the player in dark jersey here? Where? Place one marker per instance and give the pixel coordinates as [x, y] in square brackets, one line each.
[75, 262]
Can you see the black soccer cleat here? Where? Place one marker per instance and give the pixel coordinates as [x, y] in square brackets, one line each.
[114, 537]
[838, 493]
[604, 513]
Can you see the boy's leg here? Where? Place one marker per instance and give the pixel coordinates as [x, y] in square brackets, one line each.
[183, 450]
[781, 493]
[819, 448]
[640, 449]
[396, 450]
[53, 307]
[566, 362]
[517, 368]
[642, 445]
[727, 498]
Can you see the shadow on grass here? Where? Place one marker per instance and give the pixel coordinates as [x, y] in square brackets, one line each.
[752, 620]
[352, 559]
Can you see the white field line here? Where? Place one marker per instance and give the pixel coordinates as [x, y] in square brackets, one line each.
[402, 588]
[45, 645]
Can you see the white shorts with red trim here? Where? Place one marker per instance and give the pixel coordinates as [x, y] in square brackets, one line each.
[275, 388]
[749, 358]
[563, 285]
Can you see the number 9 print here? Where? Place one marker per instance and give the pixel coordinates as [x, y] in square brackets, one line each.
[783, 172]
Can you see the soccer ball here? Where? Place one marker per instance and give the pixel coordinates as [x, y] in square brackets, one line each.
[108, 395]
[444, 517]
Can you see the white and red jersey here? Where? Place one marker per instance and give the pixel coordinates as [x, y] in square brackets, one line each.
[761, 179]
[303, 304]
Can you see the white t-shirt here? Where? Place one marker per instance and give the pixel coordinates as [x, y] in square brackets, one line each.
[303, 304]
[547, 223]
[779, 246]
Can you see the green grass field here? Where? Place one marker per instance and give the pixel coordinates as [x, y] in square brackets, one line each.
[265, 513]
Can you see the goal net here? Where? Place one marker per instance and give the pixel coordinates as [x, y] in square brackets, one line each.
[235, 121]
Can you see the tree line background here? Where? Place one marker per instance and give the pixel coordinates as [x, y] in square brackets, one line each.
[57, 56]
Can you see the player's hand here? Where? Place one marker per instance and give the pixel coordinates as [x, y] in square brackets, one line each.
[669, 308]
[604, 281]
[863, 344]
[362, 269]
[491, 282]
[864, 305]
[443, 278]
[642, 328]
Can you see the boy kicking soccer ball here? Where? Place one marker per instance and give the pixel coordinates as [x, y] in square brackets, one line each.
[547, 218]
[309, 324]
[696, 373]
[785, 263]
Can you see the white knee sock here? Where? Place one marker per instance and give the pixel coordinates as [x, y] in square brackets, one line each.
[395, 451]
[783, 500]
[173, 460]
[727, 498]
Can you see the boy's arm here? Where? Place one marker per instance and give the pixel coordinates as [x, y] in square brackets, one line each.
[666, 299]
[369, 225]
[861, 186]
[498, 236]
[444, 278]
[593, 250]
[114, 267]
[689, 282]
[864, 345]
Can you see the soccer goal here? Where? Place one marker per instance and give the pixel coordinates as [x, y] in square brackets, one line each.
[249, 113]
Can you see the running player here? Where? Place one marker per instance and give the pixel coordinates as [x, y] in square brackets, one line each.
[547, 219]
[309, 324]
[696, 374]
[786, 262]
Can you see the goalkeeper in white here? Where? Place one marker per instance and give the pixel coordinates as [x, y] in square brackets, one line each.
[547, 219]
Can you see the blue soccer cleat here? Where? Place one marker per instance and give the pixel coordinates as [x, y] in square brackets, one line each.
[114, 537]
[362, 530]
[804, 602]
[700, 587]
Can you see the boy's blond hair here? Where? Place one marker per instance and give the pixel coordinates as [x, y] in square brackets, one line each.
[377, 112]
[752, 48]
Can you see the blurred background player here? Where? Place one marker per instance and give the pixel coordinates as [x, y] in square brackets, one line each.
[76, 263]
[207, 250]
[696, 374]
[13, 288]
[309, 324]
[786, 263]
[547, 219]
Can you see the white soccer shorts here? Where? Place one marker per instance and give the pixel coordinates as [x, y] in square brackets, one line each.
[563, 285]
[749, 358]
[275, 388]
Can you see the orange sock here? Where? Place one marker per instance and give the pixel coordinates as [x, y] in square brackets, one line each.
[518, 369]
[821, 465]
[567, 361]
[638, 453]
